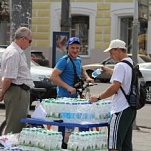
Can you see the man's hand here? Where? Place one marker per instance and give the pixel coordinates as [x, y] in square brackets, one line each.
[107, 70]
[90, 80]
[93, 99]
[71, 90]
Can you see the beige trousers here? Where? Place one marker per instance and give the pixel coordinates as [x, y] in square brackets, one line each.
[17, 103]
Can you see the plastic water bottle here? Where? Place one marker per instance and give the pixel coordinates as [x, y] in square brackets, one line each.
[97, 72]
[23, 135]
[37, 103]
[71, 141]
[133, 96]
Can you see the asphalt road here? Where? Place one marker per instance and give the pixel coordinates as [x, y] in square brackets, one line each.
[143, 118]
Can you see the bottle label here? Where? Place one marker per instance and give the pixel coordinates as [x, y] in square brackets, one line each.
[96, 73]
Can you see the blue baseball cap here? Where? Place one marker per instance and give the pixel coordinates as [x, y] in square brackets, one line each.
[73, 40]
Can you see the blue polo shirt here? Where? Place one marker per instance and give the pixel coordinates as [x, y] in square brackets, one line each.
[65, 65]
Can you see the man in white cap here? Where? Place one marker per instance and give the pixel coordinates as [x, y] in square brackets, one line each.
[121, 123]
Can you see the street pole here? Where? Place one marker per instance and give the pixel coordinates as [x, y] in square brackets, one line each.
[135, 41]
[135, 32]
[65, 13]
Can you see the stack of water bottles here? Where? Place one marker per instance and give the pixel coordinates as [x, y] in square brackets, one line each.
[40, 138]
[88, 141]
[75, 110]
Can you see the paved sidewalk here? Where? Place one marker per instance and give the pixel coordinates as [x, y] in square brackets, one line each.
[142, 139]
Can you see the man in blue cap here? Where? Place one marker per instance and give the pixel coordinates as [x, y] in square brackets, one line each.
[64, 75]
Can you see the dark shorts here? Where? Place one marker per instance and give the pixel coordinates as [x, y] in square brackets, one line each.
[120, 130]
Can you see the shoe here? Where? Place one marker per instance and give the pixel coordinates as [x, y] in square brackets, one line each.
[64, 146]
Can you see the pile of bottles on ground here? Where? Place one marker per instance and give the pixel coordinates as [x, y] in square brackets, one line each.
[38, 139]
[75, 110]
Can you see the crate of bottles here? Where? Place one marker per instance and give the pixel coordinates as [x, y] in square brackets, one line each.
[75, 110]
[38, 139]
[88, 141]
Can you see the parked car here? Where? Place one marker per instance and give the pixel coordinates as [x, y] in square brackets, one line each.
[110, 63]
[145, 58]
[39, 57]
[40, 77]
[145, 68]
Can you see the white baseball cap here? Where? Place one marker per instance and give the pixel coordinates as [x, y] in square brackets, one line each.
[116, 44]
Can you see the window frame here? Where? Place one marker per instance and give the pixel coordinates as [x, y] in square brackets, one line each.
[118, 11]
[76, 8]
[84, 41]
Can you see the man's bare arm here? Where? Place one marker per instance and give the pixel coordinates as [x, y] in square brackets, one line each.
[55, 77]
[5, 85]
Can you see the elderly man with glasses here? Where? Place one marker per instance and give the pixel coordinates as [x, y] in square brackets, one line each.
[16, 80]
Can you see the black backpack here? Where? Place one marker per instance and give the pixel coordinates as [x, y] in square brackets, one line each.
[137, 96]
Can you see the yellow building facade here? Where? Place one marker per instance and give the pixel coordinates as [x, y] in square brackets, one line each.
[41, 19]
[108, 19]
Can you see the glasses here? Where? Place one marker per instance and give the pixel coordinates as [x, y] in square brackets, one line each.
[27, 39]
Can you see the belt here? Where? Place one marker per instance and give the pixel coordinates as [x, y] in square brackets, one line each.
[23, 86]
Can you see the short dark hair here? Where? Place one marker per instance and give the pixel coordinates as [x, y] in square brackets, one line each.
[123, 50]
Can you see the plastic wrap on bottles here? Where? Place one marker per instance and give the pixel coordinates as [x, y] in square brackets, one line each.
[75, 110]
[38, 139]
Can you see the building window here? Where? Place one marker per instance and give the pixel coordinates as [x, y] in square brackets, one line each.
[80, 28]
[122, 23]
[142, 37]
[126, 31]
[82, 23]
[5, 33]
[126, 24]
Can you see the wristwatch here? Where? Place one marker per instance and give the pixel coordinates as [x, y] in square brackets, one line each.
[98, 98]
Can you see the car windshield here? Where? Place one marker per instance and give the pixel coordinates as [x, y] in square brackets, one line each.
[146, 58]
[109, 61]
[33, 63]
[139, 59]
[38, 55]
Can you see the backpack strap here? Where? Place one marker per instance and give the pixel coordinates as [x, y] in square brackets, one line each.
[128, 63]
[74, 68]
